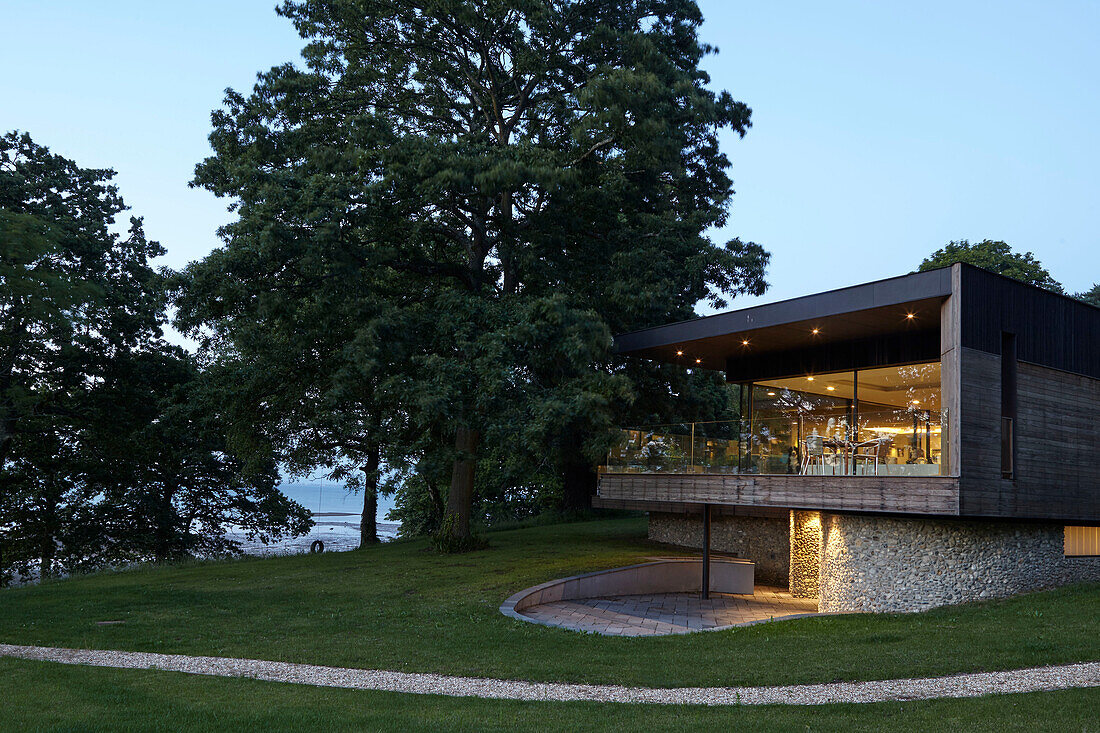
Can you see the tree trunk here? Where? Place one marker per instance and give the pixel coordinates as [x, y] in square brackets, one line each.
[6, 429]
[461, 497]
[578, 483]
[163, 529]
[47, 539]
[368, 524]
[14, 337]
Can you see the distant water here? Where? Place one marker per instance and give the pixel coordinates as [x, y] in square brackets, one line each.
[322, 496]
[327, 501]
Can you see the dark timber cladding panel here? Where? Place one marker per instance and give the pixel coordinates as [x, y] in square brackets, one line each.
[1057, 443]
[892, 494]
[982, 490]
[1051, 330]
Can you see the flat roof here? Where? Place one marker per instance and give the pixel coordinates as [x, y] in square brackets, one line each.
[896, 304]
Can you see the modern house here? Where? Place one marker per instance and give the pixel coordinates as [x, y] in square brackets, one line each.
[918, 441]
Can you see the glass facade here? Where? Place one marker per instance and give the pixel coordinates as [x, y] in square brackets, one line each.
[883, 421]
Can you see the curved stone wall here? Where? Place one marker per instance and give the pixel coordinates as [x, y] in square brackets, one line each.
[661, 576]
[873, 563]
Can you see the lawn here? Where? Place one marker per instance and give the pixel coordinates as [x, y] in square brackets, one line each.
[399, 606]
[39, 695]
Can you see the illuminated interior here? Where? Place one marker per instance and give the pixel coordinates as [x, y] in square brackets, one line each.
[880, 421]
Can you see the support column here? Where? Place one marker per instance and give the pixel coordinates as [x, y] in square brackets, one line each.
[706, 551]
[805, 554]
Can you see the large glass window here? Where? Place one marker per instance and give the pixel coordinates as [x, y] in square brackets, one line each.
[883, 421]
[785, 411]
[900, 406]
[869, 422]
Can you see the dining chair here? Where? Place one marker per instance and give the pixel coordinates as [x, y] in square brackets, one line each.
[813, 451]
[874, 451]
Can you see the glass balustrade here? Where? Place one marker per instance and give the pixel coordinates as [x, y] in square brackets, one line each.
[901, 442]
[882, 421]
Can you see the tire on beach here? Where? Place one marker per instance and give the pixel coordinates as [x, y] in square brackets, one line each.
[316, 546]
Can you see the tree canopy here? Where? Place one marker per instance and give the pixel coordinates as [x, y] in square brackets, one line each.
[452, 207]
[1090, 296]
[105, 454]
[995, 256]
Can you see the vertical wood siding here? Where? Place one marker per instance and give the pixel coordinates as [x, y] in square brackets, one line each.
[1057, 443]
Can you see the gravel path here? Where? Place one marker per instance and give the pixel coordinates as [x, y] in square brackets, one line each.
[1086, 674]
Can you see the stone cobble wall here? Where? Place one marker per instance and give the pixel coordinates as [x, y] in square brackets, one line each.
[805, 554]
[888, 564]
[763, 540]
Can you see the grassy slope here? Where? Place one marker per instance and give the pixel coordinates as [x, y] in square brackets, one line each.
[399, 607]
[42, 696]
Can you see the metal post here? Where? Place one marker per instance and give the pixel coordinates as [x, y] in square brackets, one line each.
[692, 464]
[706, 551]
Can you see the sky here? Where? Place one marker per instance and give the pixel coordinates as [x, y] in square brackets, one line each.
[880, 130]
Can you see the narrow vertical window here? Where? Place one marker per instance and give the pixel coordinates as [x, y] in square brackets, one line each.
[1008, 405]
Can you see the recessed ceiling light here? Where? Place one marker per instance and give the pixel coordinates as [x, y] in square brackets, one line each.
[771, 394]
[698, 361]
[910, 316]
[679, 353]
[831, 388]
[809, 379]
[916, 402]
[744, 342]
[816, 331]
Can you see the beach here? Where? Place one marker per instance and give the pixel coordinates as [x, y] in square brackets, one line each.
[339, 531]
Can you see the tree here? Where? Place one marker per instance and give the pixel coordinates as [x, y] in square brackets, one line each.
[83, 374]
[168, 469]
[995, 256]
[477, 171]
[73, 294]
[1091, 296]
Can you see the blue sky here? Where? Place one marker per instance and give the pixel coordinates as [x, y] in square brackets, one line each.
[880, 130]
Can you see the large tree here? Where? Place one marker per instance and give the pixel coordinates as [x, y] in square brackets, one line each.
[995, 256]
[87, 426]
[74, 293]
[491, 176]
[166, 469]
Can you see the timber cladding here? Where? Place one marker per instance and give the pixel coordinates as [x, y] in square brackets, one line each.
[1057, 467]
[937, 495]
[1051, 330]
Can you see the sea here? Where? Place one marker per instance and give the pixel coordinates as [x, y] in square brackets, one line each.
[336, 515]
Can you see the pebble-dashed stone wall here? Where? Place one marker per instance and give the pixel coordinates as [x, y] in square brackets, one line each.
[805, 554]
[763, 540]
[887, 564]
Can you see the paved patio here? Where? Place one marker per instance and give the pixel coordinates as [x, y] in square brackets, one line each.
[669, 613]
